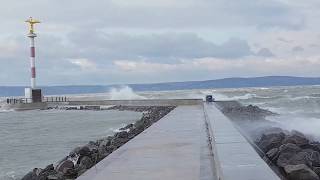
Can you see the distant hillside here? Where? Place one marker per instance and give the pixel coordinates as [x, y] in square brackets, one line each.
[230, 83]
[220, 83]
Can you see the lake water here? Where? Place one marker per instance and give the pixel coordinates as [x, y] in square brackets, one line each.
[31, 139]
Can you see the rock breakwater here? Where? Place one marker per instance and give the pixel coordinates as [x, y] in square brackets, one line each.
[84, 157]
[236, 111]
[296, 156]
[293, 155]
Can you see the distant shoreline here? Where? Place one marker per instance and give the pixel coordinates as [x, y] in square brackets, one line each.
[256, 82]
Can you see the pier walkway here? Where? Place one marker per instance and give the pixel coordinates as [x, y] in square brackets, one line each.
[193, 142]
[235, 158]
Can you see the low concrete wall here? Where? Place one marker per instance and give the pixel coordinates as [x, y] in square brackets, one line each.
[23, 107]
[149, 102]
[234, 156]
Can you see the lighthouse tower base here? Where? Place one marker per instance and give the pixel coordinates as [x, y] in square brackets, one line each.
[33, 95]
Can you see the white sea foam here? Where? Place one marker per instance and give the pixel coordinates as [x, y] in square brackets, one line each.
[303, 97]
[5, 110]
[306, 125]
[11, 175]
[222, 97]
[263, 88]
[117, 129]
[124, 93]
[246, 96]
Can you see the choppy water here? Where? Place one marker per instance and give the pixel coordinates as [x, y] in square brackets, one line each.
[299, 107]
[31, 139]
[37, 138]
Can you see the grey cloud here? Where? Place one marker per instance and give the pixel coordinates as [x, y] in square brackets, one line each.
[55, 54]
[87, 19]
[313, 45]
[297, 49]
[263, 14]
[265, 52]
[156, 46]
[284, 40]
[197, 14]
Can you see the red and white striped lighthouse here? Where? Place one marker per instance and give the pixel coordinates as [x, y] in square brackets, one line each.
[33, 60]
[32, 36]
[32, 94]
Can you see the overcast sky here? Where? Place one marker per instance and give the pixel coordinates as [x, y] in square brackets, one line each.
[142, 41]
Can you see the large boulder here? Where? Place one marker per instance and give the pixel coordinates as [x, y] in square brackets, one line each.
[296, 138]
[70, 173]
[49, 173]
[102, 153]
[313, 157]
[270, 141]
[289, 148]
[32, 175]
[117, 142]
[105, 141]
[93, 146]
[121, 134]
[273, 154]
[95, 157]
[55, 176]
[316, 170]
[135, 131]
[285, 159]
[308, 157]
[300, 172]
[43, 174]
[86, 162]
[300, 158]
[75, 151]
[81, 151]
[110, 148]
[84, 151]
[287, 153]
[103, 150]
[139, 126]
[315, 146]
[64, 166]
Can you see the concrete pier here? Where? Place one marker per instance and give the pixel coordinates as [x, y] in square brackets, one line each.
[194, 141]
[169, 149]
[149, 102]
[59, 101]
[234, 157]
[24, 106]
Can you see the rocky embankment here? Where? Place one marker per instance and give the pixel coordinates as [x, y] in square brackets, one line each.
[235, 111]
[294, 155]
[83, 158]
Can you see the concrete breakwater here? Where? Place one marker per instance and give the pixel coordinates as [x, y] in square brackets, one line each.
[83, 158]
[293, 155]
